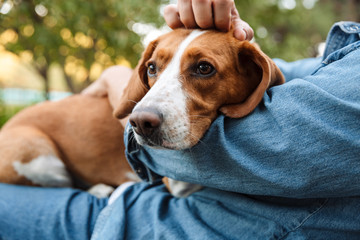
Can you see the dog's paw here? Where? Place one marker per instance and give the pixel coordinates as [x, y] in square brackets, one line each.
[101, 190]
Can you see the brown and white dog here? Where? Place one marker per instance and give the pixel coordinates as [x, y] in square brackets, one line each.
[72, 142]
[184, 79]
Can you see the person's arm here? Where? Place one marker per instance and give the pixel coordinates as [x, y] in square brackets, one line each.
[111, 84]
[298, 69]
[303, 141]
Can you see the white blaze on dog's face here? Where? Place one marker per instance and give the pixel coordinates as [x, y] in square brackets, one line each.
[191, 75]
[168, 96]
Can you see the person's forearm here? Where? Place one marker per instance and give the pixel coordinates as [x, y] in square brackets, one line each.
[111, 83]
[302, 142]
[298, 69]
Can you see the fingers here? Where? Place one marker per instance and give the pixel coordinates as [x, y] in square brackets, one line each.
[219, 14]
[222, 14]
[200, 13]
[96, 89]
[190, 14]
[171, 16]
[186, 13]
[111, 82]
[242, 29]
[249, 31]
[203, 13]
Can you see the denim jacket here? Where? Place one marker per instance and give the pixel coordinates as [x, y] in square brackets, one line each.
[289, 170]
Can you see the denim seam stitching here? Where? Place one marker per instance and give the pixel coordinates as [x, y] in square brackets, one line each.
[349, 28]
[334, 40]
[101, 221]
[334, 46]
[325, 63]
[345, 53]
[307, 218]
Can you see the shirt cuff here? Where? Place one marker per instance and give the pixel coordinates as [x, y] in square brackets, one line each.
[119, 191]
[134, 153]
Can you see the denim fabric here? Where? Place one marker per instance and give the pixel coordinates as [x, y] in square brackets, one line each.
[289, 170]
[291, 69]
[34, 213]
[149, 212]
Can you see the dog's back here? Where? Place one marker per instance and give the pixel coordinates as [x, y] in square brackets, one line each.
[79, 130]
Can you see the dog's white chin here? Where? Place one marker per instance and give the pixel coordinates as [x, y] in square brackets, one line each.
[175, 146]
[165, 144]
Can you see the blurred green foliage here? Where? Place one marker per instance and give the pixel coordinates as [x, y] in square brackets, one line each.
[85, 37]
[7, 111]
[77, 33]
[292, 29]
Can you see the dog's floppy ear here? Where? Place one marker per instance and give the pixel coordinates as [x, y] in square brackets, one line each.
[261, 67]
[138, 85]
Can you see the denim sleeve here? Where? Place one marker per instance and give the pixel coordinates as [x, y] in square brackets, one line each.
[297, 69]
[302, 141]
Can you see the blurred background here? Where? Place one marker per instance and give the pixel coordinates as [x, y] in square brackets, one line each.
[50, 49]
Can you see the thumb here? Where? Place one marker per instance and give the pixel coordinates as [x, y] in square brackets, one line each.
[242, 29]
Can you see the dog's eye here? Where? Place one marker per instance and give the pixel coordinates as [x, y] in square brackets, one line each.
[205, 69]
[151, 70]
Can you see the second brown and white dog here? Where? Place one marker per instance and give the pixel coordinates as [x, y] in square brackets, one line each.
[183, 81]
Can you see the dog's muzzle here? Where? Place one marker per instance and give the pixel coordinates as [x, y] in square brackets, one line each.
[146, 123]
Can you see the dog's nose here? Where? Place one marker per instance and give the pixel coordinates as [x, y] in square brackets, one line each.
[145, 121]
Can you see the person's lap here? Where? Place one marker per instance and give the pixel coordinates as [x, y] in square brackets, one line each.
[47, 213]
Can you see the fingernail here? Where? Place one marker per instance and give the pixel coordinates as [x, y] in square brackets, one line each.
[240, 34]
[245, 34]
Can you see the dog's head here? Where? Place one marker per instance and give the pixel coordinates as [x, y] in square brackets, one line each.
[186, 77]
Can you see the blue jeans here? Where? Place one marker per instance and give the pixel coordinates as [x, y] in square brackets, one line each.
[289, 170]
[47, 213]
[148, 212]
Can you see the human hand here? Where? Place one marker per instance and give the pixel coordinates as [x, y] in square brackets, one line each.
[219, 14]
[97, 88]
[111, 83]
[113, 79]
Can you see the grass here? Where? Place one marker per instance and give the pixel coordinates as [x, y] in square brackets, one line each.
[7, 111]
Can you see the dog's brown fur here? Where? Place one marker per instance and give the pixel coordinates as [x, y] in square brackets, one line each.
[80, 130]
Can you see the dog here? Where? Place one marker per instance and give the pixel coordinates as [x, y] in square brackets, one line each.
[75, 142]
[186, 77]
[183, 81]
